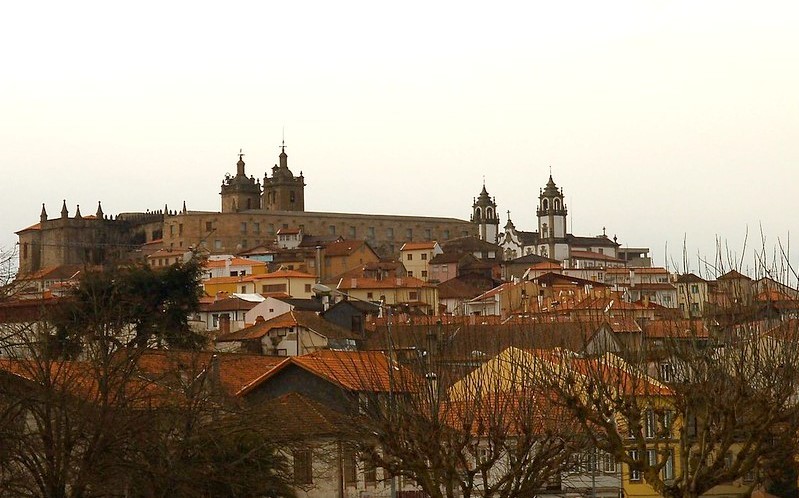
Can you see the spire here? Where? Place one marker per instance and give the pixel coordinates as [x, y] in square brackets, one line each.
[43, 215]
[64, 210]
[166, 210]
[99, 212]
[283, 156]
[184, 207]
[240, 164]
[77, 213]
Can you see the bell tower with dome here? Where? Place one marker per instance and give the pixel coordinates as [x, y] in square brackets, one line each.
[484, 215]
[240, 193]
[283, 191]
[551, 212]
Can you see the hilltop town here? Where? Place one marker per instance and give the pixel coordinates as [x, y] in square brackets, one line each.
[395, 355]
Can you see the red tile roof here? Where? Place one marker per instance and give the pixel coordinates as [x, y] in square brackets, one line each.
[350, 370]
[416, 246]
[222, 263]
[294, 318]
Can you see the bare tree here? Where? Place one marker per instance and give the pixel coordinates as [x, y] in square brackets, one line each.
[462, 427]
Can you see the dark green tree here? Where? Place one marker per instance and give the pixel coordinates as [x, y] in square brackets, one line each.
[131, 306]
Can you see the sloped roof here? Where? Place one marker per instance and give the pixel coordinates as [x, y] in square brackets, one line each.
[733, 275]
[688, 278]
[469, 244]
[236, 370]
[600, 240]
[344, 248]
[222, 263]
[294, 318]
[417, 246]
[455, 288]
[350, 370]
[229, 304]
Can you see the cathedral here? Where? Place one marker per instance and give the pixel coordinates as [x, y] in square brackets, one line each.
[252, 211]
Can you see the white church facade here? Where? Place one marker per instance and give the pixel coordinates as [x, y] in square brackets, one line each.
[551, 240]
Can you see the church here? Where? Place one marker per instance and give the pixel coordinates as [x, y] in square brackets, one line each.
[550, 240]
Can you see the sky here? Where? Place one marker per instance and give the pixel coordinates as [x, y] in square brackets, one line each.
[671, 124]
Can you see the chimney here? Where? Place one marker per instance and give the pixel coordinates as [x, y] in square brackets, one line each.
[224, 324]
[214, 377]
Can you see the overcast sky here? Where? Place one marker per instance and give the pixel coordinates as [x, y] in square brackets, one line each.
[663, 121]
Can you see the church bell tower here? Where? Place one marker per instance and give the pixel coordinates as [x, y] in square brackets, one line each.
[484, 215]
[551, 214]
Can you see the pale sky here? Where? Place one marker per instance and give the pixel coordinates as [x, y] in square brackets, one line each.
[663, 121]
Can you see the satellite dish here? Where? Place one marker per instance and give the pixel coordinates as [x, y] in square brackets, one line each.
[321, 289]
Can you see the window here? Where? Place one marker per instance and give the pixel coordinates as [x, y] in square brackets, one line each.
[666, 372]
[413, 295]
[180, 229]
[390, 233]
[369, 295]
[428, 234]
[243, 227]
[350, 467]
[217, 244]
[668, 469]
[409, 234]
[410, 273]
[209, 226]
[273, 288]
[608, 463]
[424, 256]
[424, 273]
[635, 473]
[331, 229]
[369, 473]
[649, 423]
[694, 289]
[307, 288]
[352, 232]
[303, 467]
[292, 196]
[256, 227]
[694, 307]
[409, 257]
[370, 232]
[446, 235]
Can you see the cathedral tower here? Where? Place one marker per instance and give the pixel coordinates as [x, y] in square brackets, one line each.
[240, 193]
[283, 191]
[551, 214]
[484, 215]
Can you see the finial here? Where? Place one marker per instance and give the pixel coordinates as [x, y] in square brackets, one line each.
[99, 212]
[166, 210]
[603, 232]
[77, 213]
[43, 215]
[64, 210]
[508, 213]
[184, 207]
[241, 153]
